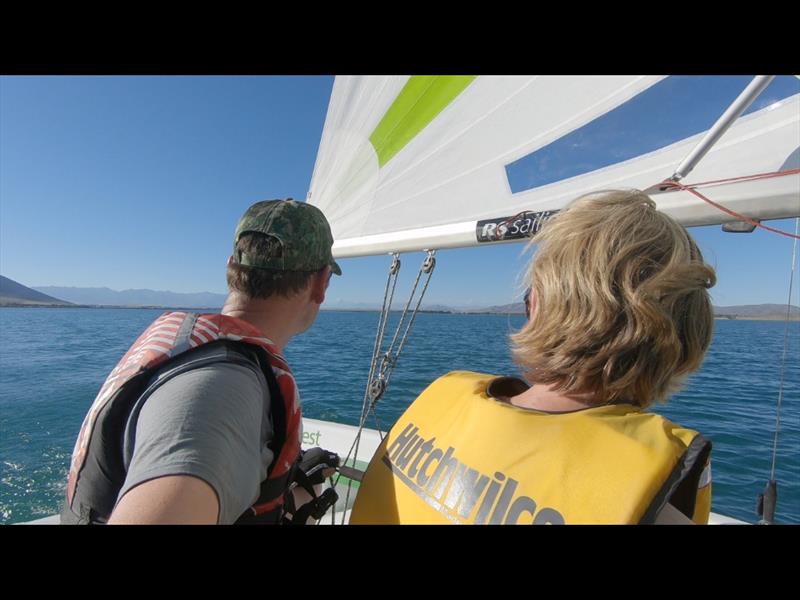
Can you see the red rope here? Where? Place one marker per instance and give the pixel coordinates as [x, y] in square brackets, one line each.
[746, 178]
[689, 188]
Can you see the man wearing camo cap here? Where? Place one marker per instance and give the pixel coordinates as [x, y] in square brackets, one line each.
[211, 430]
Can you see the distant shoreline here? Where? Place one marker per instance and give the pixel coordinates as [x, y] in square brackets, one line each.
[764, 318]
[355, 310]
[147, 306]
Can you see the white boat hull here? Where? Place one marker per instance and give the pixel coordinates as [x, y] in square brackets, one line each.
[339, 438]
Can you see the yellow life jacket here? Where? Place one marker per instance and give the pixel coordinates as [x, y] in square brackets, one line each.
[459, 456]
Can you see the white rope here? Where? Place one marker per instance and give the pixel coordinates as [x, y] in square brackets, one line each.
[785, 349]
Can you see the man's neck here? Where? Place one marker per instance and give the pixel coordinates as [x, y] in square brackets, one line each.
[276, 317]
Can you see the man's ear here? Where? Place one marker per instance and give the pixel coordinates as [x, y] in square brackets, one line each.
[319, 284]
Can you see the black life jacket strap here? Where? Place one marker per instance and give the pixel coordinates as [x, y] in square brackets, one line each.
[681, 486]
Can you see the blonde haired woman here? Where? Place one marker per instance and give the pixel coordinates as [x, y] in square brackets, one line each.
[619, 316]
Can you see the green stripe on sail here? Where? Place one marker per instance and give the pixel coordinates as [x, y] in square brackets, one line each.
[421, 99]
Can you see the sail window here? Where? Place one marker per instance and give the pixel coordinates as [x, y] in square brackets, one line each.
[673, 109]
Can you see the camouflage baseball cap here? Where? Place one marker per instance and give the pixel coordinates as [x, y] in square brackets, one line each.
[301, 229]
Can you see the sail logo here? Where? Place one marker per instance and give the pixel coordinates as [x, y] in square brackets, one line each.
[522, 225]
[462, 494]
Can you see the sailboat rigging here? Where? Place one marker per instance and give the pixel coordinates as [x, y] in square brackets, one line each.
[428, 163]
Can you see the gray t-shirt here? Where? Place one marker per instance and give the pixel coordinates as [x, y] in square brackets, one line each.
[211, 422]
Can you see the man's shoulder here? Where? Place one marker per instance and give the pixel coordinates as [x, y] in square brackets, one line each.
[212, 369]
[216, 356]
[208, 378]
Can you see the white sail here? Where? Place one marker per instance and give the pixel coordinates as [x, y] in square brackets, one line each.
[407, 163]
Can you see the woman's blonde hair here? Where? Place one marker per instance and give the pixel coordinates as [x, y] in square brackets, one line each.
[622, 310]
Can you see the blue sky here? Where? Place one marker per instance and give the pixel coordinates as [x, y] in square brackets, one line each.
[138, 182]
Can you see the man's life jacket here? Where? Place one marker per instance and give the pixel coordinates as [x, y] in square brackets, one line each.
[97, 471]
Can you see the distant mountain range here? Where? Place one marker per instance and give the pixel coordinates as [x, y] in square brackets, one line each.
[109, 297]
[13, 293]
[757, 310]
[746, 311]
